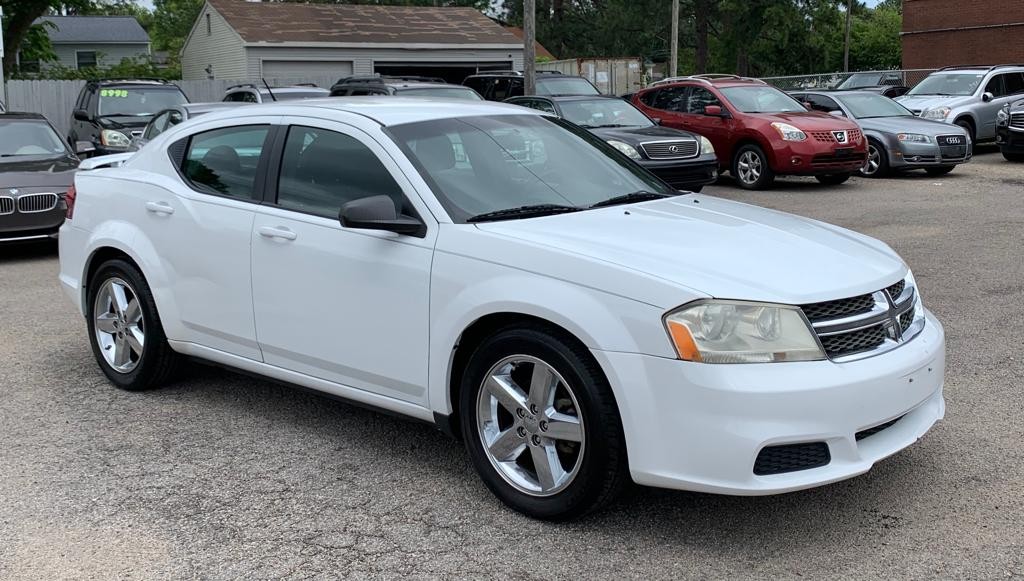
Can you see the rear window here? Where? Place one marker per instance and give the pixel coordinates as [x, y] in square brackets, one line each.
[137, 101]
[445, 92]
[566, 86]
[290, 95]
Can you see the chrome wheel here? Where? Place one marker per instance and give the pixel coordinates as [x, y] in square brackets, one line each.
[874, 161]
[530, 425]
[119, 325]
[750, 167]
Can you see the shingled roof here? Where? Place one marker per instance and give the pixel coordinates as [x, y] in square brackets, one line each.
[315, 23]
[94, 29]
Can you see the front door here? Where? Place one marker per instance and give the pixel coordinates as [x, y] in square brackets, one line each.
[343, 305]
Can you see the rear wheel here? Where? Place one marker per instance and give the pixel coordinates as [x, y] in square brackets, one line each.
[939, 171]
[833, 179]
[877, 165]
[751, 170]
[127, 338]
[541, 425]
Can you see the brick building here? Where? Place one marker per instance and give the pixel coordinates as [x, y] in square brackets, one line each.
[938, 33]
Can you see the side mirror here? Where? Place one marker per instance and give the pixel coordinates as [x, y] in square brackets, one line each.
[84, 148]
[986, 96]
[379, 213]
[715, 111]
[80, 115]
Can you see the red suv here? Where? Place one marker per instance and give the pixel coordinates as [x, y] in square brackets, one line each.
[757, 130]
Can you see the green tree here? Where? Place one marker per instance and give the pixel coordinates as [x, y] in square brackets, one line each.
[875, 39]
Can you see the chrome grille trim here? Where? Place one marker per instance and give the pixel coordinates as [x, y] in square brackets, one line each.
[35, 203]
[1017, 121]
[686, 148]
[6, 205]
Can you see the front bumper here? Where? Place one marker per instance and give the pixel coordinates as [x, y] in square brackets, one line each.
[812, 157]
[18, 226]
[1010, 141]
[685, 174]
[694, 426]
[924, 155]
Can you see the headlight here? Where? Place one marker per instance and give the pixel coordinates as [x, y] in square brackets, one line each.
[788, 132]
[625, 148]
[937, 113]
[1003, 116]
[738, 332]
[705, 145]
[112, 138]
[913, 138]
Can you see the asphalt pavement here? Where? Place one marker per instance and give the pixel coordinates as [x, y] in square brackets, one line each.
[223, 476]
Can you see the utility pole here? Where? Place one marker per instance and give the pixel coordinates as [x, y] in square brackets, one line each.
[673, 65]
[529, 46]
[846, 45]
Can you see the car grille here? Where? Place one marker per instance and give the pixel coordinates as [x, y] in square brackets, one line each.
[841, 161]
[671, 149]
[32, 203]
[1017, 120]
[791, 457]
[852, 136]
[863, 324]
[872, 431]
[6, 205]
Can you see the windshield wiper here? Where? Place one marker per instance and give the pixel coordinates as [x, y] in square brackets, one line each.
[610, 125]
[531, 211]
[638, 196]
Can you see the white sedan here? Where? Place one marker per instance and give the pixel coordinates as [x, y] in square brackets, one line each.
[515, 281]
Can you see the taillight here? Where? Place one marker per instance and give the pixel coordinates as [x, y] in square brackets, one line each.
[69, 198]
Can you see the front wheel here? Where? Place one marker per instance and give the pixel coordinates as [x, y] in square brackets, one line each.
[833, 179]
[877, 164]
[939, 171]
[751, 170]
[541, 425]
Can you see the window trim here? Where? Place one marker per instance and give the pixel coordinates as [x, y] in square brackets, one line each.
[95, 59]
[259, 185]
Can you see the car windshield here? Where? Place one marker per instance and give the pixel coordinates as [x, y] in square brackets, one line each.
[959, 84]
[565, 86]
[868, 105]
[478, 165]
[137, 101]
[761, 99]
[445, 92]
[861, 80]
[594, 113]
[29, 137]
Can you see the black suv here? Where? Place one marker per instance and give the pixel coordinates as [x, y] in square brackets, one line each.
[1010, 131]
[500, 85]
[404, 86]
[110, 112]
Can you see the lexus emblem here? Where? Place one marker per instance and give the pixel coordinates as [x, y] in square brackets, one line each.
[673, 149]
[840, 136]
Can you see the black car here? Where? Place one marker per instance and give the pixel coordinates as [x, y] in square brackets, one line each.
[109, 113]
[500, 85]
[36, 170]
[168, 118]
[1010, 131]
[404, 86]
[887, 83]
[684, 160]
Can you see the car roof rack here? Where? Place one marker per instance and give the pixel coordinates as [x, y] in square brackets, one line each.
[979, 67]
[706, 79]
[241, 86]
[130, 80]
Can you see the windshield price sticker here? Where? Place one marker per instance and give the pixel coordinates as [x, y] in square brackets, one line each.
[113, 92]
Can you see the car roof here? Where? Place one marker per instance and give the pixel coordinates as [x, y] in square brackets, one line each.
[205, 107]
[130, 82]
[407, 85]
[387, 112]
[568, 98]
[519, 74]
[22, 115]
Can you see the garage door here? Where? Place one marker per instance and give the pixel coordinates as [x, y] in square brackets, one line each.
[303, 69]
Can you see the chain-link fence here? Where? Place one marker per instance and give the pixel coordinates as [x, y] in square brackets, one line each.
[905, 77]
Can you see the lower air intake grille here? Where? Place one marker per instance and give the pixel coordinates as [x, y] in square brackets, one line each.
[872, 431]
[791, 458]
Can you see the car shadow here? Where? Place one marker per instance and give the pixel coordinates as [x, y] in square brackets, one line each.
[11, 252]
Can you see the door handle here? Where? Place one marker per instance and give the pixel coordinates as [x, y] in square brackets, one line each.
[281, 232]
[159, 208]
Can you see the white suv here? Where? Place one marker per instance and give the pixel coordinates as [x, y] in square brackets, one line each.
[514, 280]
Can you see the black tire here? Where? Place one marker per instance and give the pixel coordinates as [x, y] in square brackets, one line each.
[833, 179]
[882, 170]
[602, 469]
[765, 178]
[939, 171]
[969, 128]
[1014, 157]
[157, 361]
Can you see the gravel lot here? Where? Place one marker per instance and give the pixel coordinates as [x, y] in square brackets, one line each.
[224, 476]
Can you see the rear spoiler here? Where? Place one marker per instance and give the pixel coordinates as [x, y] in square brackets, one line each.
[114, 160]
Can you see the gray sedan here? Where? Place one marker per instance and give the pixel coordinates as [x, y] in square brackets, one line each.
[897, 140]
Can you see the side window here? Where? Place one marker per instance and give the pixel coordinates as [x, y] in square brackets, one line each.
[517, 88]
[250, 97]
[650, 97]
[477, 84]
[501, 89]
[322, 170]
[538, 104]
[671, 99]
[224, 161]
[700, 98]
[822, 103]
[1014, 83]
[156, 126]
[173, 118]
[233, 97]
[995, 86]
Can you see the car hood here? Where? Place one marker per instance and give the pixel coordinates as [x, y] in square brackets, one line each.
[125, 122]
[717, 247]
[909, 124]
[808, 120]
[922, 102]
[37, 172]
[634, 135]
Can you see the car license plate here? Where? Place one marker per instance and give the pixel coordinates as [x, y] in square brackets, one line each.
[952, 140]
[843, 151]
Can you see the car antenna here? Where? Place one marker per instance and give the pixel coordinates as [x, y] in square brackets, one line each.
[267, 85]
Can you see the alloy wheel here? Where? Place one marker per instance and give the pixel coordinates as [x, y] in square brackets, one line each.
[874, 161]
[119, 325]
[749, 166]
[530, 425]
